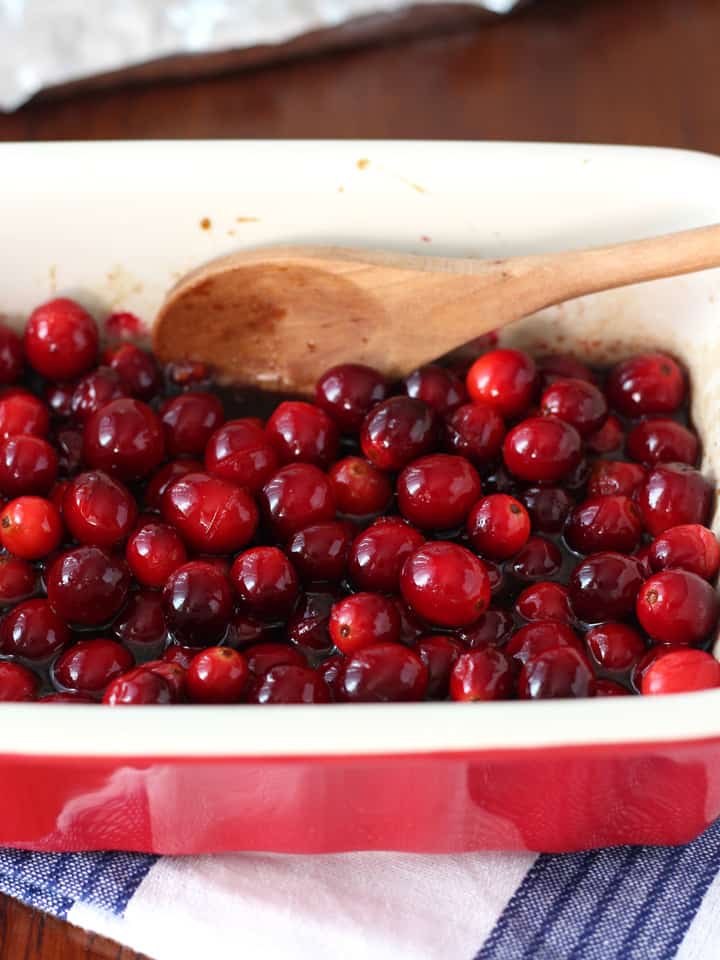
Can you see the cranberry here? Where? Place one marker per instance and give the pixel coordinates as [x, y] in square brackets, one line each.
[437, 386]
[615, 646]
[645, 662]
[93, 391]
[545, 601]
[309, 627]
[542, 449]
[609, 688]
[58, 397]
[578, 403]
[482, 675]
[677, 606]
[30, 527]
[211, 515]
[140, 687]
[217, 675]
[136, 368]
[28, 465]
[608, 438]
[87, 586]
[153, 552]
[493, 629]
[536, 638]
[657, 440]
[539, 559]
[616, 477]
[265, 581]
[125, 438]
[384, 672]
[98, 510]
[264, 656]
[18, 580]
[17, 683]
[497, 578]
[674, 494]
[188, 422]
[681, 671]
[398, 431]
[296, 496]
[436, 492]
[320, 552]
[33, 631]
[604, 523]
[548, 508]
[179, 655]
[378, 554]
[476, 431]
[123, 324]
[173, 674]
[23, 413]
[559, 672]
[439, 654]
[689, 547]
[301, 432]
[88, 666]
[348, 392]
[12, 357]
[648, 383]
[506, 379]
[359, 488]
[445, 584]
[141, 624]
[557, 366]
[290, 684]
[331, 672]
[165, 477]
[498, 526]
[198, 603]
[70, 446]
[61, 339]
[604, 586]
[362, 620]
[241, 452]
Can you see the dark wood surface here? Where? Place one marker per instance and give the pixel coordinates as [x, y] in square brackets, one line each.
[616, 71]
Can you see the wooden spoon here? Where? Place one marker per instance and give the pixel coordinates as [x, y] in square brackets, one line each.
[278, 317]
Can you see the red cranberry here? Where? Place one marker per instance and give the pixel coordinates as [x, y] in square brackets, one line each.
[264, 656]
[476, 431]
[439, 654]
[445, 584]
[331, 672]
[498, 526]
[211, 515]
[141, 624]
[23, 413]
[125, 438]
[198, 603]
[681, 671]
[87, 586]
[398, 431]
[296, 496]
[615, 477]
[70, 447]
[303, 433]
[674, 494]
[309, 627]
[578, 403]
[437, 386]
[98, 510]
[58, 397]
[605, 585]
[93, 391]
[153, 552]
[61, 339]
[188, 422]
[320, 551]
[88, 666]
[137, 369]
[30, 527]
[562, 366]
[378, 554]
[608, 438]
[539, 559]
[545, 601]
[506, 379]
[658, 440]
[123, 324]
[265, 581]
[652, 654]
[179, 655]
[33, 631]
[18, 581]
[165, 477]
[609, 688]
[677, 606]
[384, 672]
[560, 672]
[648, 383]
[359, 488]
[348, 392]
[604, 523]
[482, 675]
[140, 687]
[362, 620]
[689, 547]
[290, 684]
[437, 492]
[241, 452]
[17, 683]
[535, 638]
[28, 465]
[548, 508]
[493, 629]
[217, 675]
[615, 646]
[542, 449]
[12, 357]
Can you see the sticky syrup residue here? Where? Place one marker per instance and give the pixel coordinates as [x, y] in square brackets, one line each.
[247, 219]
[205, 223]
[363, 163]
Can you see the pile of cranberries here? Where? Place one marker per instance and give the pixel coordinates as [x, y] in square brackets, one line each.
[511, 530]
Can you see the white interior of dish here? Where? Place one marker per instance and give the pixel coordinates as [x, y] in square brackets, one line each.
[115, 224]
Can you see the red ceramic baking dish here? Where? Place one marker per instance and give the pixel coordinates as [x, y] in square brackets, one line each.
[114, 224]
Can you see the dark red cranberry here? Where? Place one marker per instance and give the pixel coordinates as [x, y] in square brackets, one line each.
[265, 581]
[498, 526]
[359, 488]
[124, 438]
[437, 492]
[482, 675]
[70, 448]
[398, 431]
[12, 357]
[539, 559]
[615, 477]
[296, 496]
[604, 586]
[139, 687]
[23, 413]
[309, 627]
[446, 584]
[197, 603]
[681, 671]
[331, 672]
[290, 684]
[578, 403]
[61, 339]
[559, 672]
[542, 449]
[179, 655]
[609, 688]
[411, 626]
[28, 465]
[647, 383]
[562, 366]
[17, 683]
[88, 666]
[378, 554]
[497, 578]
[241, 452]
[153, 552]
[476, 431]
[677, 606]
[98, 509]
[137, 369]
[33, 631]
[536, 638]
[493, 629]
[87, 586]
[264, 656]
[30, 527]
[211, 515]
[615, 646]
[245, 630]
[674, 494]
[604, 523]
[348, 392]
[437, 386]
[141, 624]
[608, 438]
[439, 653]
[548, 508]
[303, 433]
[545, 601]
[384, 672]
[18, 581]
[217, 675]
[93, 391]
[188, 422]
[689, 547]
[165, 477]
[320, 552]
[662, 441]
[58, 397]
[362, 620]
[506, 379]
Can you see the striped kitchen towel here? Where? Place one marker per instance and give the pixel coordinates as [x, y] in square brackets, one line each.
[634, 903]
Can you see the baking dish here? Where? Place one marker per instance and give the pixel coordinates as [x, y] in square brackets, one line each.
[114, 224]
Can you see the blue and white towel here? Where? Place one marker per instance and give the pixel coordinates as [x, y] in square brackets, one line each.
[643, 903]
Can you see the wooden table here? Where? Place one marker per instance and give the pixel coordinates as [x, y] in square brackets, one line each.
[618, 71]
